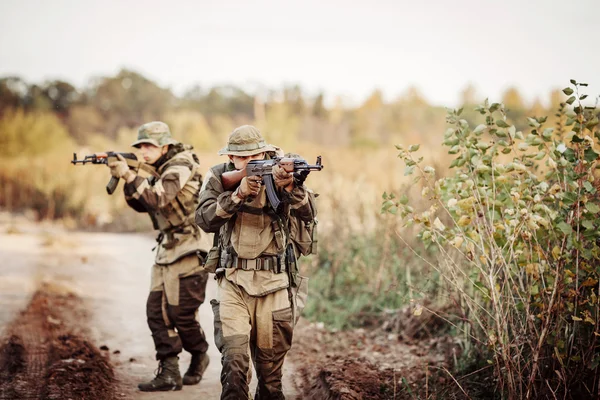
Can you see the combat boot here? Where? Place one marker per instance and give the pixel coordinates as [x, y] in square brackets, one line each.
[196, 370]
[167, 377]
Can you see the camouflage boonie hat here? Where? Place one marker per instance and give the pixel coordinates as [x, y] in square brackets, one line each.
[246, 140]
[156, 133]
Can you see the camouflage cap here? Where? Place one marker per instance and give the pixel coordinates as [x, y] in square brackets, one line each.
[246, 140]
[156, 133]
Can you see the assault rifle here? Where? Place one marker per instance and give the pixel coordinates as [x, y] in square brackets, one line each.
[264, 169]
[139, 167]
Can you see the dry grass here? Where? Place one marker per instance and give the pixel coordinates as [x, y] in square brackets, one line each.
[362, 266]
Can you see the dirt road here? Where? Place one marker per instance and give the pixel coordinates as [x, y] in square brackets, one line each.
[95, 283]
[73, 325]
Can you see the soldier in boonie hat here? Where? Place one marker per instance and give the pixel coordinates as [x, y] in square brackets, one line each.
[246, 141]
[252, 257]
[178, 278]
[156, 133]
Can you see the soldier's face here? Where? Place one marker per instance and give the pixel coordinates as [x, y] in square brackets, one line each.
[240, 162]
[152, 153]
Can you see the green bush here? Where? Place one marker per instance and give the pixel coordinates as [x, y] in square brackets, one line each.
[362, 279]
[517, 230]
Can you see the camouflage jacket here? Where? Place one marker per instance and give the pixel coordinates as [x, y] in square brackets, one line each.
[253, 233]
[170, 200]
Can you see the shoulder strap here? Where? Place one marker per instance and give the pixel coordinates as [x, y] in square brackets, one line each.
[224, 235]
[280, 227]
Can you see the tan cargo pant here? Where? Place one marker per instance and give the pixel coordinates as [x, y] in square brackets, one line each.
[176, 292]
[257, 327]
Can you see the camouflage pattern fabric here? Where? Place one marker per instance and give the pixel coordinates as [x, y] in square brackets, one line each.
[156, 133]
[170, 201]
[176, 293]
[246, 141]
[178, 278]
[257, 328]
[253, 233]
[253, 309]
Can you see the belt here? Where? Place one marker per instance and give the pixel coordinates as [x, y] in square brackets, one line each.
[266, 263]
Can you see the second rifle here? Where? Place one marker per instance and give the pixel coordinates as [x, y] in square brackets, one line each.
[264, 168]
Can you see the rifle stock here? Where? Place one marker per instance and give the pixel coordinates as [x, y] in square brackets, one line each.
[231, 179]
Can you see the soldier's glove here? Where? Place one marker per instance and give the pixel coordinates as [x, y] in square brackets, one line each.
[300, 177]
[119, 168]
[282, 178]
[249, 186]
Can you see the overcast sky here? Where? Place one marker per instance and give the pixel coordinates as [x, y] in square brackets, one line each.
[343, 47]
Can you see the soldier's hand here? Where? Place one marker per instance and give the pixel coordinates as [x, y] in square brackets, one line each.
[249, 186]
[282, 178]
[118, 168]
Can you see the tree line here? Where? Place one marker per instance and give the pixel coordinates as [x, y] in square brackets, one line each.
[128, 99]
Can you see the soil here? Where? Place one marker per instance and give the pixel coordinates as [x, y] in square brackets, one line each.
[101, 282]
[73, 326]
[47, 357]
[369, 364]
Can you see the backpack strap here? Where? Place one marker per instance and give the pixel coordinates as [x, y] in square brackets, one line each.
[280, 224]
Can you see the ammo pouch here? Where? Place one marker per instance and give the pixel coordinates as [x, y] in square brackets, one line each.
[211, 262]
[298, 289]
[304, 234]
[291, 265]
[299, 295]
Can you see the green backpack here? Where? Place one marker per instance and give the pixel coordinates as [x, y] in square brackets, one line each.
[304, 234]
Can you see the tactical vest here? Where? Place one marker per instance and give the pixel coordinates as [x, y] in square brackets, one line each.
[179, 235]
[292, 236]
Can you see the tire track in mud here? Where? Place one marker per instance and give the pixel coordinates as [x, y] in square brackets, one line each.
[25, 353]
[42, 356]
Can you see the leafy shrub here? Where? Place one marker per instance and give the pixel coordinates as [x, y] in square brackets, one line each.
[517, 230]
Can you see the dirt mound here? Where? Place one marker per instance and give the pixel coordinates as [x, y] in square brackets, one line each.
[343, 379]
[77, 370]
[46, 356]
[12, 356]
[420, 321]
[367, 364]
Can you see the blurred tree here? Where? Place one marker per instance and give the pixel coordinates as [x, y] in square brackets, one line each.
[192, 96]
[515, 107]
[190, 127]
[556, 97]
[331, 128]
[36, 99]
[31, 133]
[128, 100]
[369, 120]
[220, 100]
[318, 108]
[512, 99]
[468, 96]
[12, 92]
[293, 97]
[415, 97]
[338, 112]
[537, 109]
[259, 110]
[61, 96]
[83, 121]
[281, 125]
[412, 119]
[240, 102]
